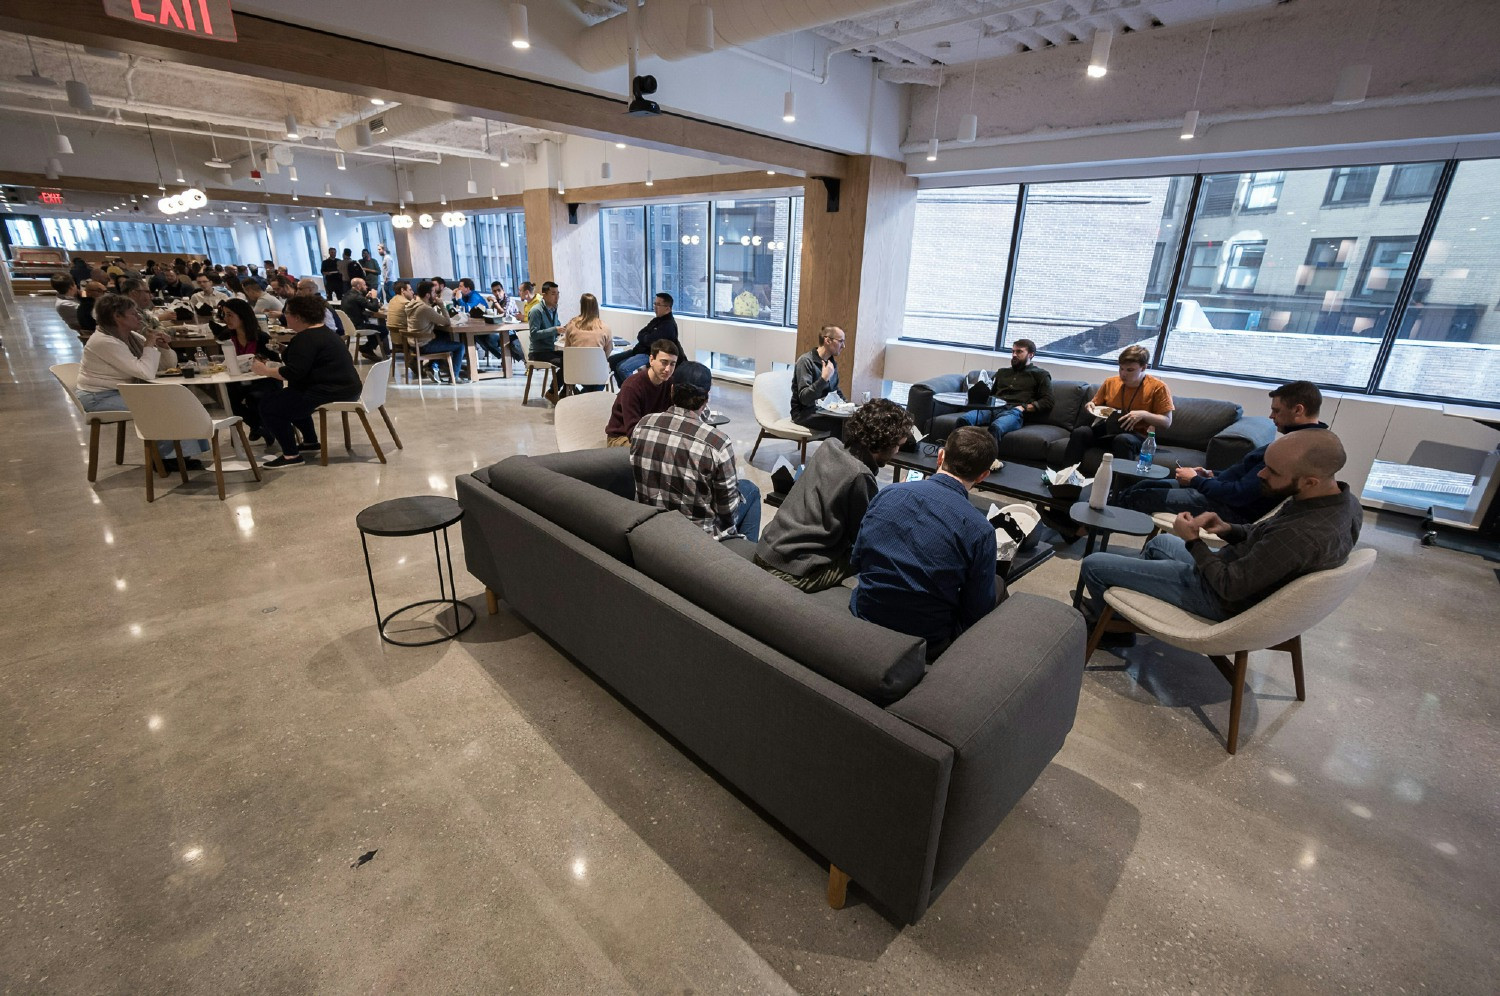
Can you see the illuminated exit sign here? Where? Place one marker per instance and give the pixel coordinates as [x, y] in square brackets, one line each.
[50, 196]
[201, 18]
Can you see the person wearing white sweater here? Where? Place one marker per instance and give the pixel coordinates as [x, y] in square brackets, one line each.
[117, 353]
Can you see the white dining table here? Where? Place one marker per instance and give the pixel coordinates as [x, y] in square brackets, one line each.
[218, 380]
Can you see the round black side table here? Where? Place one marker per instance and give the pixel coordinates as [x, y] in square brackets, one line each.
[1100, 523]
[412, 517]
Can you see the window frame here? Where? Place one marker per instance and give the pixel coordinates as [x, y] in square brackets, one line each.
[1255, 183]
[1345, 173]
[1400, 170]
[1384, 296]
[1233, 262]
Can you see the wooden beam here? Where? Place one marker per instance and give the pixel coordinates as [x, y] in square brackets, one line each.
[750, 181]
[292, 53]
[215, 195]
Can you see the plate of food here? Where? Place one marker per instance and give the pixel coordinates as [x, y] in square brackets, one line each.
[1100, 411]
[171, 372]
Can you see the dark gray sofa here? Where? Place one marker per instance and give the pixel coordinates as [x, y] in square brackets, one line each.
[1205, 432]
[822, 719]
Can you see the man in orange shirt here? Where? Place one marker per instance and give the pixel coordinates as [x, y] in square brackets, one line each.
[1140, 402]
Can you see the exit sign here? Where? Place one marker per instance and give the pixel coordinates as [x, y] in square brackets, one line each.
[200, 18]
[50, 196]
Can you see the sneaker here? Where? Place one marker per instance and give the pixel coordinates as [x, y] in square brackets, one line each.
[312, 447]
[283, 461]
[255, 435]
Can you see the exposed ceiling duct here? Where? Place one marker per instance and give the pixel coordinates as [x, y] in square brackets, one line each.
[664, 33]
[390, 125]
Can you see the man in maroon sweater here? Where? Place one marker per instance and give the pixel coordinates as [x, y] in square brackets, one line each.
[645, 392]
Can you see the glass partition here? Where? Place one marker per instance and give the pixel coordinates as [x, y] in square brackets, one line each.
[679, 255]
[623, 243]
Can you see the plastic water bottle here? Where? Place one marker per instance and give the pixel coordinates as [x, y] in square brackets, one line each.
[200, 360]
[1148, 452]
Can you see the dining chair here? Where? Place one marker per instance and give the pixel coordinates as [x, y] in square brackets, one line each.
[371, 398]
[351, 334]
[580, 420]
[171, 411]
[585, 366]
[548, 369]
[67, 376]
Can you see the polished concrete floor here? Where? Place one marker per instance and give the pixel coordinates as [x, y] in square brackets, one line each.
[201, 735]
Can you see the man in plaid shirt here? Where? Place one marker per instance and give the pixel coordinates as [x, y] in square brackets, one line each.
[683, 463]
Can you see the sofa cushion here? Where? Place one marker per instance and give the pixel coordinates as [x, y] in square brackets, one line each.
[1068, 399]
[1173, 457]
[874, 662]
[592, 514]
[1198, 420]
[607, 468]
[1029, 443]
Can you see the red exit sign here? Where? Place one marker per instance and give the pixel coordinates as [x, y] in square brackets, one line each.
[50, 196]
[201, 18]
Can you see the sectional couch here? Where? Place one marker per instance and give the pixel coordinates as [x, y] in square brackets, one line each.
[894, 774]
[1205, 432]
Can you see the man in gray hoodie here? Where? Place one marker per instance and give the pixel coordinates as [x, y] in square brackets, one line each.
[807, 544]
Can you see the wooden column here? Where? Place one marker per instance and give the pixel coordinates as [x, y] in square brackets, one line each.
[561, 250]
[854, 266]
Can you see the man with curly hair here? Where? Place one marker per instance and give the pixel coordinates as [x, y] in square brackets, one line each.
[807, 545]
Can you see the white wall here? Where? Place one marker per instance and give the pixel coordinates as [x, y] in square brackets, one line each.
[1371, 428]
[710, 335]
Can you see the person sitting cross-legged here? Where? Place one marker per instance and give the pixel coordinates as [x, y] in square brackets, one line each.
[1313, 531]
[644, 393]
[925, 555]
[1024, 387]
[1235, 494]
[681, 462]
[808, 542]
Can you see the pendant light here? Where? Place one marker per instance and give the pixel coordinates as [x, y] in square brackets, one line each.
[54, 168]
[605, 170]
[932, 147]
[161, 184]
[1190, 119]
[789, 107]
[968, 125]
[292, 134]
[1354, 81]
[79, 97]
[338, 161]
[35, 77]
[472, 188]
[291, 173]
[1099, 57]
[700, 27]
[520, 32]
[400, 219]
[61, 144]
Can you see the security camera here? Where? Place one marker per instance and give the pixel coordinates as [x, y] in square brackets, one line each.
[640, 87]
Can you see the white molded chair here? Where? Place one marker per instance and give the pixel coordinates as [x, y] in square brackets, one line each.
[170, 411]
[548, 369]
[772, 399]
[351, 334]
[1274, 624]
[67, 376]
[580, 420]
[371, 398]
[585, 366]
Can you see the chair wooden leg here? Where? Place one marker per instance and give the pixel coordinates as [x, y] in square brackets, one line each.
[218, 464]
[348, 444]
[838, 887]
[1237, 697]
[802, 452]
[369, 431]
[93, 450]
[323, 436]
[181, 460]
[391, 426]
[249, 453]
[156, 461]
[526, 392]
[1098, 633]
[756, 446]
[1294, 647]
[119, 443]
[491, 602]
[150, 472]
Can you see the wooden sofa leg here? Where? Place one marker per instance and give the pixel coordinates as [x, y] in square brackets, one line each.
[838, 887]
[491, 602]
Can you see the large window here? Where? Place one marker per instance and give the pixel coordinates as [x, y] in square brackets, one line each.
[490, 247]
[622, 237]
[750, 253]
[1413, 181]
[23, 232]
[1262, 191]
[1285, 306]
[724, 259]
[1350, 186]
[1449, 340]
[959, 254]
[1083, 280]
[679, 255]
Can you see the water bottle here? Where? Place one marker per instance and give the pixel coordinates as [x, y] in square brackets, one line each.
[200, 360]
[1148, 453]
[1102, 479]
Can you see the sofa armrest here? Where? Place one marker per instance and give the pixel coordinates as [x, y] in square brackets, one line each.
[919, 398]
[1003, 696]
[481, 504]
[1231, 444]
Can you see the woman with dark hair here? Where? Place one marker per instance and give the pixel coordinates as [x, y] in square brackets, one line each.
[808, 543]
[118, 353]
[233, 285]
[317, 369]
[241, 335]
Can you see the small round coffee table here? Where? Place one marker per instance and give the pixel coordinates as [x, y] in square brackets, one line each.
[1100, 523]
[412, 517]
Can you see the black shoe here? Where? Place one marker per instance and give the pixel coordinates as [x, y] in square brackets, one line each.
[309, 447]
[255, 435]
[371, 355]
[283, 461]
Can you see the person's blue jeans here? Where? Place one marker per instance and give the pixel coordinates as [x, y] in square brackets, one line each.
[111, 401]
[1164, 496]
[450, 346]
[629, 365]
[1164, 570]
[1000, 421]
[747, 520]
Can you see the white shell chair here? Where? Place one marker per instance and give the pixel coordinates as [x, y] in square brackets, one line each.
[580, 420]
[170, 411]
[771, 397]
[371, 398]
[585, 366]
[67, 376]
[1274, 624]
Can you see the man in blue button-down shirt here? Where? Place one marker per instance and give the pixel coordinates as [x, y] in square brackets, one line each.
[925, 555]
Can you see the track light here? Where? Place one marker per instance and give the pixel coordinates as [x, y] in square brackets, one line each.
[292, 134]
[700, 28]
[1099, 58]
[338, 161]
[79, 97]
[1189, 125]
[932, 148]
[789, 107]
[520, 33]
